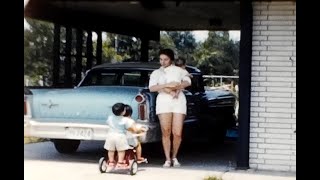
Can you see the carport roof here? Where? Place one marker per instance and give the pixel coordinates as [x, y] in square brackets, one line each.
[133, 17]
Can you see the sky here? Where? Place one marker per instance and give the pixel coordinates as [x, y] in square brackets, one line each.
[200, 36]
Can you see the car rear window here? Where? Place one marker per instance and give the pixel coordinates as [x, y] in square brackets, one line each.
[116, 78]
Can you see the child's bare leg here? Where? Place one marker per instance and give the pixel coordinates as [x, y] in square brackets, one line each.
[121, 155]
[111, 156]
[177, 93]
[139, 151]
[173, 93]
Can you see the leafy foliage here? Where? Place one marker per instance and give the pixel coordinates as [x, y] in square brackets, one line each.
[38, 46]
[218, 54]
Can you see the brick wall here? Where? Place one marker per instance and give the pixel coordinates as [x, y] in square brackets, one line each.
[273, 94]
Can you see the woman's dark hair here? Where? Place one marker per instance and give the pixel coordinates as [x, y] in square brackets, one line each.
[168, 52]
[118, 108]
[128, 110]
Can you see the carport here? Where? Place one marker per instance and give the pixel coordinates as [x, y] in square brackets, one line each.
[144, 20]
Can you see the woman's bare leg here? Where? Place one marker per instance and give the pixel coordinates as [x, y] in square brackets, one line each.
[177, 127]
[165, 123]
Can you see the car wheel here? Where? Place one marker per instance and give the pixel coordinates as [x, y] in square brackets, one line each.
[66, 146]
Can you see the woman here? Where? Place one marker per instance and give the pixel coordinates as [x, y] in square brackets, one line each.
[171, 110]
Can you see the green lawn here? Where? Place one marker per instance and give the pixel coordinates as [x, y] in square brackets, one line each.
[212, 178]
[28, 140]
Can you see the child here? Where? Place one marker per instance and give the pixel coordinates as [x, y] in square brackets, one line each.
[134, 141]
[180, 62]
[117, 139]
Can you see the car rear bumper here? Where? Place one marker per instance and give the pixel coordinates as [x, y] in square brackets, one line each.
[59, 130]
[79, 131]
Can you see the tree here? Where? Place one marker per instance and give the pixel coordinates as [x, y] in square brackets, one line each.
[38, 54]
[109, 53]
[182, 42]
[185, 44]
[165, 42]
[125, 47]
[218, 54]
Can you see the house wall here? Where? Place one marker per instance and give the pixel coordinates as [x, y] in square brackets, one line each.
[273, 94]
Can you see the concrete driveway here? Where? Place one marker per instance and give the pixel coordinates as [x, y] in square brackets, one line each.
[41, 161]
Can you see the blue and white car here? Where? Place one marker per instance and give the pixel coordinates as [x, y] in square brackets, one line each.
[68, 116]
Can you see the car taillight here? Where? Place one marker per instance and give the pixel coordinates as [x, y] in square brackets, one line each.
[142, 111]
[139, 98]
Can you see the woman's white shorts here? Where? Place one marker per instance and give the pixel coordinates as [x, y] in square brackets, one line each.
[167, 104]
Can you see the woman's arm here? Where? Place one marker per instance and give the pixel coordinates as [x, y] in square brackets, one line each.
[156, 88]
[184, 84]
[153, 82]
[164, 87]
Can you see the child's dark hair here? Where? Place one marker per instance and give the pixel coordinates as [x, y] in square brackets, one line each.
[118, 108]
[128, 110]
[180, 61]
[168, 52]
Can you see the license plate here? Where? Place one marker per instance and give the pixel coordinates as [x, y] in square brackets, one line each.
[79, 133]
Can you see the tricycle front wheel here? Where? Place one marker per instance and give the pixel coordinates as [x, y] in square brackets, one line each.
[102, 165]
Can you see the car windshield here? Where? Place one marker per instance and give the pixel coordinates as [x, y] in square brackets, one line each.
[116, 77]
